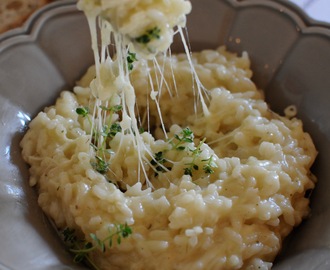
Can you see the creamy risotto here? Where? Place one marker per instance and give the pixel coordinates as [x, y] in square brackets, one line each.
[223, 200]
[167, 161]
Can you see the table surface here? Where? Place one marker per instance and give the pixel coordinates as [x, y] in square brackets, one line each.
[317, 9]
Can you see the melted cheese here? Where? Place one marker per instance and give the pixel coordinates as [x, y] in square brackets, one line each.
[143, 27]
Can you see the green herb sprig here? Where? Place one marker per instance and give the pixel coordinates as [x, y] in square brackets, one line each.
[195, 153]
[84, 112]
[180, 140]
[100, 165]
[210, 165]
[100, 138]
[83, 248]
[158, 162]
[114, 109]
[111, 131]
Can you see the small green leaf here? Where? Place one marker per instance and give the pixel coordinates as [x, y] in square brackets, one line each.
[157, 161]
[127, 231]
[151, 34]
[83, 111]
[131, 58]
[117, 108]
[98, 242]
[187, 133]
[100, 165]
[88, 245]
[188, 171]
[207, 169]
[114, 129]
[185, 136]
[78, 258]
[118, 240]
[104, 108]
[69, 235]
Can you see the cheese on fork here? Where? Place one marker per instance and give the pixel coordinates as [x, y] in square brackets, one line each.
[145, 26]
[142, 28]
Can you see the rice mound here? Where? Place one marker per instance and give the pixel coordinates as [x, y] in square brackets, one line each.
[233, 218]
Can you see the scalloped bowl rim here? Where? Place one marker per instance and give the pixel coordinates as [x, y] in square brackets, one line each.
[30, 31]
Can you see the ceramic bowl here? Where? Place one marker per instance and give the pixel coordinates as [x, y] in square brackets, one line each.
[290, 56]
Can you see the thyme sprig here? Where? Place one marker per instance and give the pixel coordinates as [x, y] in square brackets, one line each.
[210, 165]
[111, 131]
[100, 138]
[100, 165]
[114, 109]
[82, 248]
[195, 153]
[159, 161]
[180, 140]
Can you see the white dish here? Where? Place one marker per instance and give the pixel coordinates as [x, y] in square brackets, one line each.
[290, 57]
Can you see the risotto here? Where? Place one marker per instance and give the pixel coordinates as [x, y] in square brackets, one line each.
[160, 161]
[223, 198]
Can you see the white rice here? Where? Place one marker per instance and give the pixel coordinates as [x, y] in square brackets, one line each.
[234, 218]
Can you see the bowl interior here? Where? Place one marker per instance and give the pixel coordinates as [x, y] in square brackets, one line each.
[290, 59]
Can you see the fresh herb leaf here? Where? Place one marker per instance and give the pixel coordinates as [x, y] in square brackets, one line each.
[188, 171]
[78, 258]
[158, 162]
[69, 235]
[125, 230]
[151, 34]
[131, 58]
[195, 153]
[116, 108]
[100, 165]
[208, 169]
[82, 248]
[114, 129]
[110, 132]
[98, 242]
[82, 111]
[210, 165]
[191, 166]
[185, 136]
